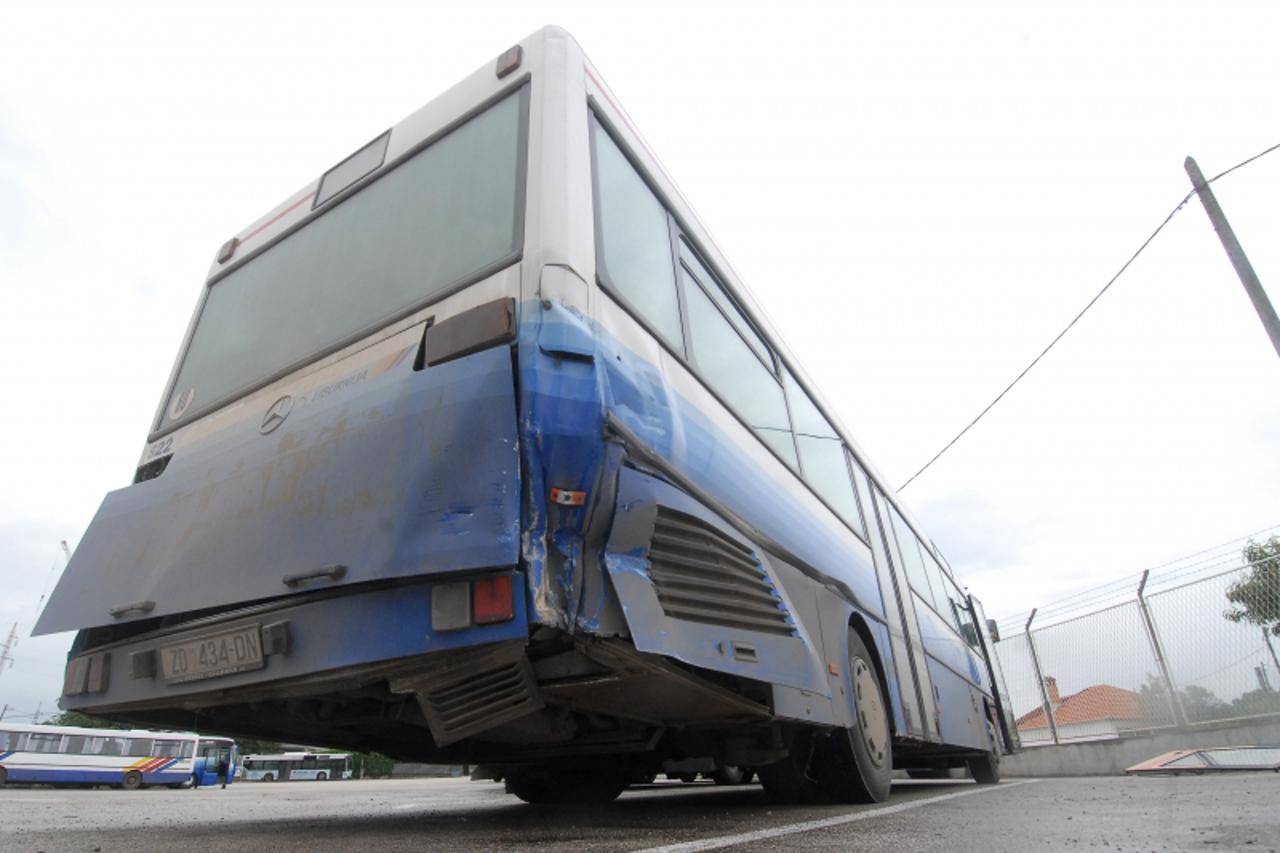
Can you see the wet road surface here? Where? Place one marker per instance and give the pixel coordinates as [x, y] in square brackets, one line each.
[1238, 812]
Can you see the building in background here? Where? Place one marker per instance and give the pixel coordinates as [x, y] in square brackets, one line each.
[1097, 712]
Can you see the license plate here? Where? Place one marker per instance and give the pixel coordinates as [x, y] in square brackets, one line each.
[208, 657]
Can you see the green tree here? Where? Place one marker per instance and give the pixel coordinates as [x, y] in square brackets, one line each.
[75, 718]
[374, 764]
[1254, 702]
[1256, 598]
[252, 746]
[1199, 703]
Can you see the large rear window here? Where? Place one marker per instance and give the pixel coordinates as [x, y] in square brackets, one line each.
[437, 220]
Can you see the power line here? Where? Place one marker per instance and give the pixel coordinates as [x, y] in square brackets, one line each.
[1177, 569]
[1083, 311]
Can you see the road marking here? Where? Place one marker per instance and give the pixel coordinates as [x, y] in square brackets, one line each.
[810, 825]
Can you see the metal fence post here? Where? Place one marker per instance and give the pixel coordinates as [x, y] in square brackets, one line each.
[1044, 693]
[1266, 638]
[1175, 701]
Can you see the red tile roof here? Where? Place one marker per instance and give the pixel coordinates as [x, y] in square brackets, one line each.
[1099, 702]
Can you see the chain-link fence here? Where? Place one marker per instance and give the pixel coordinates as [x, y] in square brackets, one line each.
[1166, 652]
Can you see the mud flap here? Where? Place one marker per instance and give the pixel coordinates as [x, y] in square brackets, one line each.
[694, 589]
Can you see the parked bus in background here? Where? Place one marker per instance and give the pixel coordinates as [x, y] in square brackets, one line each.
[296, 766]
[477, 451]
[126, 758]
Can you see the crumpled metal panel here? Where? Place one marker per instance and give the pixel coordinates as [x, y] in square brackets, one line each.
[794, 661]
[410, 473]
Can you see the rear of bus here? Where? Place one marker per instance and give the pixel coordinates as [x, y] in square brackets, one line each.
[325, 523]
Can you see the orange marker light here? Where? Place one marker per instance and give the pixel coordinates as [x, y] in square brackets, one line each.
[564, 497]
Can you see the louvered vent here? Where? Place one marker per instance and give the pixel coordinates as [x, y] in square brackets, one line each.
[701, 575]
[467, 702]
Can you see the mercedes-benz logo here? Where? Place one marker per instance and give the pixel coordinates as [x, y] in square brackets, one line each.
[275, 415]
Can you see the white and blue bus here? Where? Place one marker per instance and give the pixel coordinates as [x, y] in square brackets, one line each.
[296, 767]
[125, 758]
[476, 451]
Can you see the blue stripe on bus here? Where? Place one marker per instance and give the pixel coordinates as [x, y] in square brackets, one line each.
[81, 776]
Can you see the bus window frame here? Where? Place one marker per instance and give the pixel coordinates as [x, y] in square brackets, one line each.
[678, 232]
[520, 88]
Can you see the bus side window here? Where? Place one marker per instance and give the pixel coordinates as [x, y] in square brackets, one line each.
[909, 547]
[960, 607]
[736, 373]
[74, 744]
[188, 749]
[822, 455]
[13, 741]
[44, 743]
[633, 239]
[138, 746]
[938, 582]
[168, 748]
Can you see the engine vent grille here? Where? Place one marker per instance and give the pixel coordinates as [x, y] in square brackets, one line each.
[701, 575]
[467, 700]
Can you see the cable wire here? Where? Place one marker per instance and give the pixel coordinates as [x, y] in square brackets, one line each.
[1083, 311]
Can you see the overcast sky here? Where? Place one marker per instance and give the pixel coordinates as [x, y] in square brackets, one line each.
[920, 194]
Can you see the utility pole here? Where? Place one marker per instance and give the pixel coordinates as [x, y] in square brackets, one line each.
[1175, 701]
[1266, 638]
[6, 650]
[1252, 286]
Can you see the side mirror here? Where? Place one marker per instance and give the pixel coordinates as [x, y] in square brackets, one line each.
[993, 630]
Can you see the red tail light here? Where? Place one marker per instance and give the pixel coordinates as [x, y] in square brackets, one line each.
[492, 600]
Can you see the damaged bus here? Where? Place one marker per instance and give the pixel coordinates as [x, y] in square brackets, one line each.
[476, 451]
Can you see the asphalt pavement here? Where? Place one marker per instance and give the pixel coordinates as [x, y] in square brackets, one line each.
[1235, 812]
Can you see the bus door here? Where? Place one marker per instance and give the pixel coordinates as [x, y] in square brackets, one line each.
[998, 687]
[213, 754]
[915, 686]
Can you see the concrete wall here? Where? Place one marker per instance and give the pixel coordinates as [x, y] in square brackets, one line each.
[1111, 757]
[409, 769]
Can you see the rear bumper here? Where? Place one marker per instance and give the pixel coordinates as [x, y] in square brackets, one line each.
[344, 639]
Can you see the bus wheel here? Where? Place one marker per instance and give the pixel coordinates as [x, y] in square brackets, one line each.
[320, 777]
[793, 779]
[868, 759]
[269, 777]
[985, 769]
[553, 786]
[132, 780]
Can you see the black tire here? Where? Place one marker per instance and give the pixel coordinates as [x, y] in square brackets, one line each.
[727, 774]
[132, 781]
[542, 785]
[985, 768]
[320, 777]
[870, 757]
[853, 765]
[795, 779]
[269, 777]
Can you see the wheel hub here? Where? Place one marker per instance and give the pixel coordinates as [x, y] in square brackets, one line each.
[873, 723]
